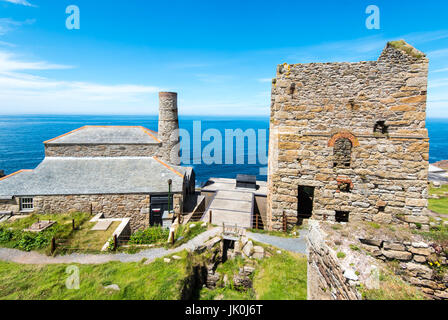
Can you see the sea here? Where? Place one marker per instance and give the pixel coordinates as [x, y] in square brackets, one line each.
[22, 136]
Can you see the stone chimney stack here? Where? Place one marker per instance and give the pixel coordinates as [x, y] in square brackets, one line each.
[169, 128]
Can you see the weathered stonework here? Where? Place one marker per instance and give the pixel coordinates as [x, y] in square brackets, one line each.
[379, 107]
[134, 206]
[326, 280]
[101, 150]
[422, 264]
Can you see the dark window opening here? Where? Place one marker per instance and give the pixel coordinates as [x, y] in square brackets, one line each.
[381, 209]
[159, 208]
[305, 202]
[342, 151]
[344, 187]
[380, 127]
[342, 216]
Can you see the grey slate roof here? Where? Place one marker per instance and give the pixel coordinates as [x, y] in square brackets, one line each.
[107, 135]
[77, 176]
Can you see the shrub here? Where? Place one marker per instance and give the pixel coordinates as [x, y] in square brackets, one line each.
[150, 236]
[341, 255]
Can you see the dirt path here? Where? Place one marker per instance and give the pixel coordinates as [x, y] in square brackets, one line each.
[17, 256]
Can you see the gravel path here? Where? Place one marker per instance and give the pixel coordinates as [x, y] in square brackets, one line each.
[17, 256]
[290, 244]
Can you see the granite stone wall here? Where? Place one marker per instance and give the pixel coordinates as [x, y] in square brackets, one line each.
[326, 279]
[133, 206]
[421, 264]
[378, 108]
[101, 150]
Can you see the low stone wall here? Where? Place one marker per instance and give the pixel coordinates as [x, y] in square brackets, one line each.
[421, 264]
[9, 205]
[101, 150]
[133, 206]
[327, 279]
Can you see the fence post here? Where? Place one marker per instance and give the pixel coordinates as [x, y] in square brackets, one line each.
[284, 222]
[53, 245]
[73, 224]
[172, 237]
[115, 242]
[91, 209]
[210, 217]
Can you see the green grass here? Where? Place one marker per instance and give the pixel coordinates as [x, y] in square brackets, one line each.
[438, 205]
[155, 281]
[277, 277]
[84, 239]
[438, 234]
[186, 233]
[151, 235]
[438, 191]
[402, 45]
[391, 287]
[281, 277]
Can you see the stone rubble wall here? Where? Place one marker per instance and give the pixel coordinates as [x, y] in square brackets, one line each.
[133, 206]
[315, 104]
[9, 205]
[101, 150]
[326, 280]
[415, 263]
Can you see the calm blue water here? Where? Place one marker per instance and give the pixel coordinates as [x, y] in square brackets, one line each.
[21, 138]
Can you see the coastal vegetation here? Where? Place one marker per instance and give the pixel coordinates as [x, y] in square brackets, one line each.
[279, 276]
[12, 234]
[438, 201]
[111, 281]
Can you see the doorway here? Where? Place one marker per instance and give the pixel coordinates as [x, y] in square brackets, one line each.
[305, 201]
[159, 208]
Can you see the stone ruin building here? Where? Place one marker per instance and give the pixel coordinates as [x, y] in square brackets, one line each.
[120, 171]
[348, 140]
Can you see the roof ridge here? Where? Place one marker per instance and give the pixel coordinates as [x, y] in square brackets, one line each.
[146, 130]
[168, 166]
[65, 134]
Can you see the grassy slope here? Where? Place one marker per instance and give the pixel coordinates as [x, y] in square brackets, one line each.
[155, 281]
[280, 277]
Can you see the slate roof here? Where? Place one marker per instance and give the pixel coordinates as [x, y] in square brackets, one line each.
[77, 176]
[107, 135]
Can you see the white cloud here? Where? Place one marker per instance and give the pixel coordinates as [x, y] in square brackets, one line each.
[264, 80]
[20, 2]
[8, 24]
[26, 92]
[10, 63]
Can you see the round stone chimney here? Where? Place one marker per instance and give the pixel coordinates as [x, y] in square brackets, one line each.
[169, 128]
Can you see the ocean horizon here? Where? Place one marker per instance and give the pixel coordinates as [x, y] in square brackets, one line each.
[22, 136]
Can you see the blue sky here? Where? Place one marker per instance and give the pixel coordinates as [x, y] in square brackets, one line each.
[219, 55]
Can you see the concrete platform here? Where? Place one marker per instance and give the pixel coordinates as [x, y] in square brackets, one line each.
[102, 225]
[221, 184]
[232, 205]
